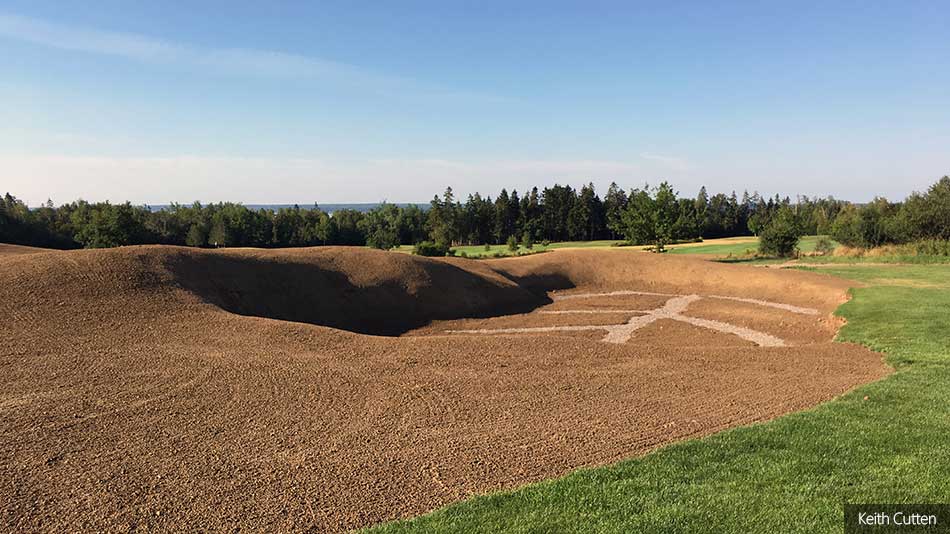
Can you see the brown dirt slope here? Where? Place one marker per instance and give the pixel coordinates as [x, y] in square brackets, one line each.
[7, 249]
[165, 388]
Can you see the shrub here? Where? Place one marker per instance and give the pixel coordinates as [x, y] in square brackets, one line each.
[487, 247]
[780, 236]
[824, 246]
[512, 243]
[924, 247]
[428, 248]
[932, 247]
[526, 241]
[546, 243]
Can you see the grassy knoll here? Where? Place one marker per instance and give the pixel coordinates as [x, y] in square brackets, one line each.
[735, 246]
[884, 442]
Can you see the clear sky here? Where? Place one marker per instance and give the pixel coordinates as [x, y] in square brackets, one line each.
[276, 102]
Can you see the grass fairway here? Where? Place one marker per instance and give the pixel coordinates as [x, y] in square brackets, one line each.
[885, 442]
[477, 251]
[736, 246]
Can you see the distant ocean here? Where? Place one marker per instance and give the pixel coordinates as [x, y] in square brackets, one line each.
[329, 208]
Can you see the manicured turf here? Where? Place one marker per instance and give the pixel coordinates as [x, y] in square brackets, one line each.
[885, 442]
[736, 246]
[733, 246]
[476, 251]
[844, 260]
[730, 246]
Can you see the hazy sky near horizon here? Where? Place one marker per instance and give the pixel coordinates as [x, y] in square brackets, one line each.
[283, 102]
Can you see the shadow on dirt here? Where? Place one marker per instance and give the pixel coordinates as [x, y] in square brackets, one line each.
[306, 292]
[540, 284]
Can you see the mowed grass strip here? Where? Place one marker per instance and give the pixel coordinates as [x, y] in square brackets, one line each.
[736, 246]
[884, 442]
[477, 251]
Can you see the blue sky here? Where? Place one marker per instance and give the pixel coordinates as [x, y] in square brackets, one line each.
[347, 102]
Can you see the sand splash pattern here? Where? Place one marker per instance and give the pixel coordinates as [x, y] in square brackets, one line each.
[673, 309]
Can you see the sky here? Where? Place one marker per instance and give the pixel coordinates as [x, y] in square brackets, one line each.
[301, 102]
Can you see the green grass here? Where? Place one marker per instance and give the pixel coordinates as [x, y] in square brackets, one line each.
[844, 260]
[748, 246]
[477, 251]
[788, 475]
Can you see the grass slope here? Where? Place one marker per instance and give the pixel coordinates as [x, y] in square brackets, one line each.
[885, 442]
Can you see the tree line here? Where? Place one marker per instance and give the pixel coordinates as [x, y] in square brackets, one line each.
[645, 215]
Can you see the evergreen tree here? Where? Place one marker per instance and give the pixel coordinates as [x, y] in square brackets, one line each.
[615, 202]
[502, 223]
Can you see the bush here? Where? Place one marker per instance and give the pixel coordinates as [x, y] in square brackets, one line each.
[463, 254]
[512, 243]
[932, 247]
[487, 247]
[545, 243]
[428, 248]
[526, 241]
[824, 246]
[780, 236]
[924, 247]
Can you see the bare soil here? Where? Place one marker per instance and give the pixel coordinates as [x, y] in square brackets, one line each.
[165, 388]
[6, 249]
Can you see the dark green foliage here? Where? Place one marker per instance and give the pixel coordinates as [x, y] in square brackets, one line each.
[428, 248]
[526, 241]
[824, 246]
[42, 227]
[557, 213]
[615, 202]
[585, 220]
[651, 216]
[443, 218]
[921, 217]
[780, 236]
[927, 216]
[105, 225]
[381, 227]
[556, 205]
[872, 225]
[932, 247]
[197, 236]
[512, 243]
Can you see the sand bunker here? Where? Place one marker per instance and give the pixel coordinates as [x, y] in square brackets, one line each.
[165, 388]
[673, 309]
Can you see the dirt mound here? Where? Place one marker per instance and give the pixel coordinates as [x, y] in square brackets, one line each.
[6, 249]
[610, 269]
[166, 388]
[349, 288]
[353, 289]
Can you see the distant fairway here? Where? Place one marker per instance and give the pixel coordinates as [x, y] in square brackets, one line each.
[735, 246]
[722, 247]
[478, 251]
